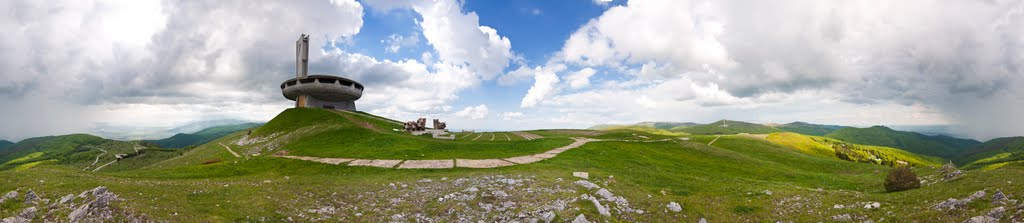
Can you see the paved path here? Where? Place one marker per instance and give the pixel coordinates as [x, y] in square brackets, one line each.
[229, 149]
[97, 159]
[452, 163]
[713, 140]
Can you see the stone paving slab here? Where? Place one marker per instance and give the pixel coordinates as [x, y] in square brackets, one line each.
[524, 159]
[427, 164]
[375, 163]
[486, 163]
[545, 155]
[332, 161]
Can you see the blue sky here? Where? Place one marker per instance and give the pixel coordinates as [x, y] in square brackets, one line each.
[100, 66]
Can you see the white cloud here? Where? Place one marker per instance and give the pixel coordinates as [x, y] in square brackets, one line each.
[580, 78]
[958, 60]
[544, 85]
[520, 74]
[395, 42]
[473, 112]
[457, 37]
[602, 2]
[102, 55]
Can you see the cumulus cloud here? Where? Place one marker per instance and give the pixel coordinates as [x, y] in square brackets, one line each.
[544, 85]
[458, 37]
[580, 78]
[473, 112]
[98, 55]
[395, 42]
[960, 59]
[183, 61]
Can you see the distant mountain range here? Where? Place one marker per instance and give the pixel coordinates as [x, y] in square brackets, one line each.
[932, 144]
[200, 137]
[657, 125]
[994, 152]
[728, 127]
[939, 145]
[119, 132]
[809, 129]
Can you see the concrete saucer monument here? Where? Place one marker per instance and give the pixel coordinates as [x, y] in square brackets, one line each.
[319, 90]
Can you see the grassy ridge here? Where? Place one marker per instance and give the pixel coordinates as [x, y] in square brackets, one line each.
[809, 129]
[656, 125]
[827, 147]
[349, 136]
[941, 146]
[737, 179]
[727, 127]
[4, 144]
[182, 140]
[723, 183]
[994, 152]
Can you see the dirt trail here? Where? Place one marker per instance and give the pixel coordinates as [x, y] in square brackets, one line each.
[97, 159]
[713, 140]
[229, 150]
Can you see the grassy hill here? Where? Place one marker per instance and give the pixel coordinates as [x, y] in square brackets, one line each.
[4, 144]
[727, 127]
[656, 125]
[808, 128]
[735, 179]
[993, 153]
[827, 147]
[81, 151]
[941, 146]
[182, 140]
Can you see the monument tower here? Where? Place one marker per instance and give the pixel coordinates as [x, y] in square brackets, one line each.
[319, 90]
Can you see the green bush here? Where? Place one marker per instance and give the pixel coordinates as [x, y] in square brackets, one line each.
[900, 179]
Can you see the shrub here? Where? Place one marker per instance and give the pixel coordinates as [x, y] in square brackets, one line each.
[900, 179]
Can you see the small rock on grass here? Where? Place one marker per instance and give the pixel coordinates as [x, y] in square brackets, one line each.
[586, 184]
[548, 216]
[674, 207]
[982, 219]
[31, 197]
[580, 219]
[28, 213]
[583, 175]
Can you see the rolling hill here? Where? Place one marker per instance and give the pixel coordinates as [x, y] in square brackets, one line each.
[746, 178]
[941, 146]
[4, 144]
[80, 151]
[827, 147]
[995, 152]
[182, 140]
[809, 129]
[656, 125]
[727, 127]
